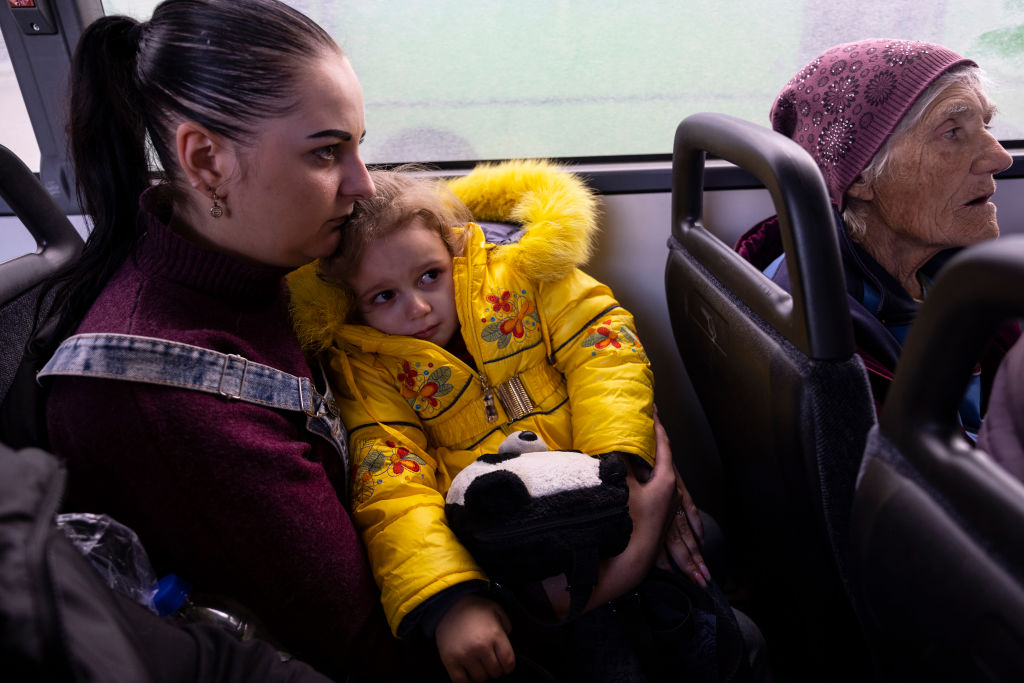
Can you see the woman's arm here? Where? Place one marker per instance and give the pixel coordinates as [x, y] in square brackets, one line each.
[650, 506]
[611, 384]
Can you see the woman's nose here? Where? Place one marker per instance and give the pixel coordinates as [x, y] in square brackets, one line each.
[357, 182]
[994, 159]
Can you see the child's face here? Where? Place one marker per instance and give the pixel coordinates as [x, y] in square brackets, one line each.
[403, 285]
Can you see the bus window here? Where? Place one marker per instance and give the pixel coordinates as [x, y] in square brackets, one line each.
[486, 80]
[453, 80]
[457, 80]
[14, 122]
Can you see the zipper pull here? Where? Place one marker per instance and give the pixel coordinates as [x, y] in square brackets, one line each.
[489, 409]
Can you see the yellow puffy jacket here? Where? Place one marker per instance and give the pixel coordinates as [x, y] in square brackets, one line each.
[554, 352]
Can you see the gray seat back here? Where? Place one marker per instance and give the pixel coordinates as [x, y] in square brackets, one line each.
[785, 396]
[938, 527]
[58, 243]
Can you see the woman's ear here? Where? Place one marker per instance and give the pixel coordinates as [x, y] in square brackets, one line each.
[861, 189]
[205, 157]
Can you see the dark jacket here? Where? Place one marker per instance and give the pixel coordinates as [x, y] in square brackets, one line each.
[881, 310]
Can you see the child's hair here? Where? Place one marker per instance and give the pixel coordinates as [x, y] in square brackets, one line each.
[401, 198]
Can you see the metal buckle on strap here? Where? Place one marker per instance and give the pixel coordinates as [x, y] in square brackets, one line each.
[224, 371]
[514, 398]
[319, 404]
[310, 400]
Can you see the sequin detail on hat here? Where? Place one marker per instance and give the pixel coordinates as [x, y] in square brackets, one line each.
[807, 72]
[903, 52]
[841, 94]
[835, 141]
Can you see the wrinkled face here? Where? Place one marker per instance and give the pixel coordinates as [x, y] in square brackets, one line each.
[404, 285]
[300, 182]
[936, 191]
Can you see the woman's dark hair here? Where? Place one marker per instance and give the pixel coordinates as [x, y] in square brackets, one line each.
[227, 65]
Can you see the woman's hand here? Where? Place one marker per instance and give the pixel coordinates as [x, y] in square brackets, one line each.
[685, 537]
[650, 506]
[651, 502]
[472, 639]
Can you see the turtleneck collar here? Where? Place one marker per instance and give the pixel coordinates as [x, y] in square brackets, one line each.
[164, 253]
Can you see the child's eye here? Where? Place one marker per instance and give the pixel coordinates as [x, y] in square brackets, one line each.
[430, 276]
[327, 153]
[383, 297]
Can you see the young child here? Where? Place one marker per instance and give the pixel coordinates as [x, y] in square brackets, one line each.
[440, 341]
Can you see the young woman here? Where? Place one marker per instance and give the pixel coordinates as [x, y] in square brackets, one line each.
[255, 116]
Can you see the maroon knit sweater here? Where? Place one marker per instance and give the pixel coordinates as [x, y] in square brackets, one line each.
[234, 497]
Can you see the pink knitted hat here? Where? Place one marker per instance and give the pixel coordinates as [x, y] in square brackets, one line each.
[844, 104]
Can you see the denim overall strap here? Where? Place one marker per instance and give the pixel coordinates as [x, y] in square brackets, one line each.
[159, 361]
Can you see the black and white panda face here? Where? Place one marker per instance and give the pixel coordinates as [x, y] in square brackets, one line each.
[541, 473]
[523, 471]
[524, 515]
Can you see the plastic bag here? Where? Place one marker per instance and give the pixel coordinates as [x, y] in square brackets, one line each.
[115, 551]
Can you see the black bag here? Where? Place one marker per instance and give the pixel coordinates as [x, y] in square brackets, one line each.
[526, 513]
[59, 618]
[59, 621]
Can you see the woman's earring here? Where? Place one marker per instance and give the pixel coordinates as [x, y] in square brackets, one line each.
[216, 210]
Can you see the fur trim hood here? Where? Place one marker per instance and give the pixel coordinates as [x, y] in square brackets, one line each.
[556, 209]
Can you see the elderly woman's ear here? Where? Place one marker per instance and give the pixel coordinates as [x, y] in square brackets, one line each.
[861, 189]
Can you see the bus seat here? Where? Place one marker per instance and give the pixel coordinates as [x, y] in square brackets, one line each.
[58, 243]
[937, 527]
[786, 397]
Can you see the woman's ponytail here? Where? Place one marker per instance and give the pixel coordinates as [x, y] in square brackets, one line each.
[107, 136]
[106, 130]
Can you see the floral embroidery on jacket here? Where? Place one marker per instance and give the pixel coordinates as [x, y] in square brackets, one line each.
[510, 316]
[393, 460]
[500, 303]
[421, 387]
[605, 337]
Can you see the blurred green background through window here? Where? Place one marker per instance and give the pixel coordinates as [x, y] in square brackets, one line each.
[451, 80]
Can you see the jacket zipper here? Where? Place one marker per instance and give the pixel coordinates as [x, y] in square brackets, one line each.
[489, 410]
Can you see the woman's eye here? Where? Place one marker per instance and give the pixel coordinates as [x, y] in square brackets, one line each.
[328, 153]
[952, 133]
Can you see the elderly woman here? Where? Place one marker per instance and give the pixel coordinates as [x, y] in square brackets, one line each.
[900, 132]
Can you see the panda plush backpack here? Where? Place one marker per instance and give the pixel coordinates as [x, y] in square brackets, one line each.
[527, 513]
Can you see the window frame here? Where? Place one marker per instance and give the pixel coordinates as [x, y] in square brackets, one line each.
[41, 63]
